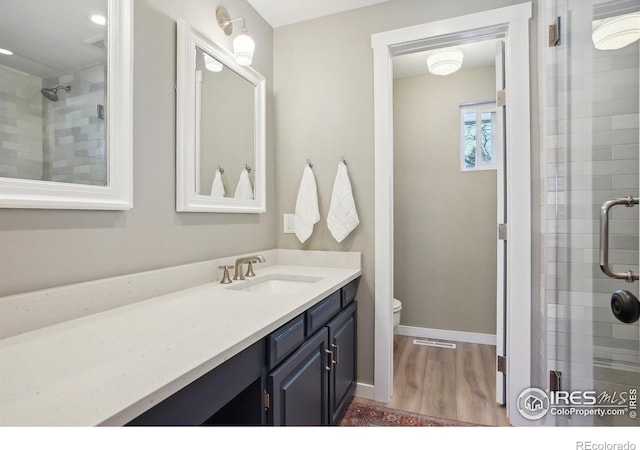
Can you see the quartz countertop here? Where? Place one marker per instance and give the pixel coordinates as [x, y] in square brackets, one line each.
[107, 368]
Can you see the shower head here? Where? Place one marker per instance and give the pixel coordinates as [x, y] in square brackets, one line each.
[52, 93]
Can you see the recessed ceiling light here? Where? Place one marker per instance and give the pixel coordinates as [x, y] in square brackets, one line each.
[4, 51]
[98, 19]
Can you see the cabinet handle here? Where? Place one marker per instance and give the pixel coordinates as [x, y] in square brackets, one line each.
[336, 350]
[330, 361]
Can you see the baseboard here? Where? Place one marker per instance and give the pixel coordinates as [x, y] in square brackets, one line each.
[366, 391]
[448, 335]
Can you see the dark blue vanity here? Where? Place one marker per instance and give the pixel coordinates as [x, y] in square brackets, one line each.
[303, 373]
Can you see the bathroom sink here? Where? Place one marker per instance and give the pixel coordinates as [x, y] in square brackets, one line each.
[276, 284]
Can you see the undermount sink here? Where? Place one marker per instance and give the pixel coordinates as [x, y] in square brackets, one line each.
[276, 284]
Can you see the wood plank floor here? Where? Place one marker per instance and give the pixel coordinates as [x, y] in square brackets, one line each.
[456, 384]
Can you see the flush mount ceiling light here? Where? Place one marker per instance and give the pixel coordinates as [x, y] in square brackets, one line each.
[212, 64]
[445, 61]
[616, 32]
[4, 51]
[243, 45]
[98, 19]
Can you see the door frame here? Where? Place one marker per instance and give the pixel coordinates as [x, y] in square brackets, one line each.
[511, 23]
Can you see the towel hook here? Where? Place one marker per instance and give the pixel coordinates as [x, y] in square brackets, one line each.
[220, 169]
[247, 168]
[309, 163]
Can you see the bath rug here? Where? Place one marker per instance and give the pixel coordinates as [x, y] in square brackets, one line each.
[365, 415]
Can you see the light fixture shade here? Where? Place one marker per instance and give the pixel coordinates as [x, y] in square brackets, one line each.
[445, 61]
[243, 47]
[212, 64]
[616, 32]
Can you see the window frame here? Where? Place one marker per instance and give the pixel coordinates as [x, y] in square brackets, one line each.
[478, 109]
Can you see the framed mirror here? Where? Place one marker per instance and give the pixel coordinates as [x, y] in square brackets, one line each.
[66, 104]
[220, 129]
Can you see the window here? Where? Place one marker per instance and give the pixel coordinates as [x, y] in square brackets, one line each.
[479, 136]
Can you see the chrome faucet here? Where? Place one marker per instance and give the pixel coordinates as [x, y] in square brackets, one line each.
[237, 274]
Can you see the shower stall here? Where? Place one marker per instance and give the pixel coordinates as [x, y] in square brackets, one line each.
[590, 127]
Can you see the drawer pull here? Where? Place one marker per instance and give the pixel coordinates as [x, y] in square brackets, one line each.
[336, 351]
[330, 361]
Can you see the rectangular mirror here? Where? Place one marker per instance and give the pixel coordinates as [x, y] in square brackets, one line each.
[65, 104]
[220, 129]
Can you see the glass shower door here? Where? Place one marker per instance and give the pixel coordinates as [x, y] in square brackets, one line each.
[590, 125]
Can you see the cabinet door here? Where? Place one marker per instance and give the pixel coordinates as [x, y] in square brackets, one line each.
[342, 379]
[299, 386]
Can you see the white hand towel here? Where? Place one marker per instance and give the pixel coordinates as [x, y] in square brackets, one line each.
[343, 217]
[307, 212]
[244, 190]
[217, 188]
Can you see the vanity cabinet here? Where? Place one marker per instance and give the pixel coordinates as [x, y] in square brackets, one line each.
[314, 384]
[304, 373]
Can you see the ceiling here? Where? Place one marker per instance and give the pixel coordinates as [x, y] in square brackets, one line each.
[279, 13]
[51, 38]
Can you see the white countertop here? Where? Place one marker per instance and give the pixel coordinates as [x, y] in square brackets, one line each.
[108, 368]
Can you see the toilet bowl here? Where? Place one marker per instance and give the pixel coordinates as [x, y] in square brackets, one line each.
[397, 307]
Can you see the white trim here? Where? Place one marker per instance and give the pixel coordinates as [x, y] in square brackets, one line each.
[118, 194]
[365, 391]
[447, 335]
[513, 23]
[187, 197]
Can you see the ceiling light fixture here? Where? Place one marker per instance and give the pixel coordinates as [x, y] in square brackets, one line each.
[445, 61]
[4, 51]
[616, 32]
[243, 45]
[98, 19]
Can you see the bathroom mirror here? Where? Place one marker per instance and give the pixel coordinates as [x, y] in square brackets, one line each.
[65, 104]
[220, 129]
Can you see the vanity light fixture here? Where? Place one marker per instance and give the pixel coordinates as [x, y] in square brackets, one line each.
[445, 61]
[98, 19]
[243, 45]
[616, 32]
[212, 64]
[4, 51]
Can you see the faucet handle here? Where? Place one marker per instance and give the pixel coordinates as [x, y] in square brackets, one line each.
[225, 276]
[250, 272]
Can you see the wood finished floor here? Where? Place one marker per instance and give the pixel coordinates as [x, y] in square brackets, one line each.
[456, 384]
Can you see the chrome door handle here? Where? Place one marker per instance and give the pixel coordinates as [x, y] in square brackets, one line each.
[628, 201]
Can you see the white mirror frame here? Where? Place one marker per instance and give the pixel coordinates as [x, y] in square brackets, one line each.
[118, 194]
[187, 197]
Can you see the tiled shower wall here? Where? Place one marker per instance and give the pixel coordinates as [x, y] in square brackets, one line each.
[75, 138]
[20, 125]
[590, 155]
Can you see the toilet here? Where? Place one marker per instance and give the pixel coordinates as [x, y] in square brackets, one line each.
[397, 307]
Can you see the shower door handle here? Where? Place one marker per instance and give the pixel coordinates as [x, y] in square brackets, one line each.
[628, 201]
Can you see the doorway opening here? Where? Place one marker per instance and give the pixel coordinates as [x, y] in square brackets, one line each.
[510, 24]
[448, 150]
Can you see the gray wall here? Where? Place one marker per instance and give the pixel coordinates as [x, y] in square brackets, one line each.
[51, 248]
[324, 107]
[445, 219]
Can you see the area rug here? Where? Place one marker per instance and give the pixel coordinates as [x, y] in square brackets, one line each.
[364, 415]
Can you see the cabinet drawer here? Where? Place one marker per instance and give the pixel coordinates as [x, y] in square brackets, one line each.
[282, 342]
[349, 292]
[318, 315]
